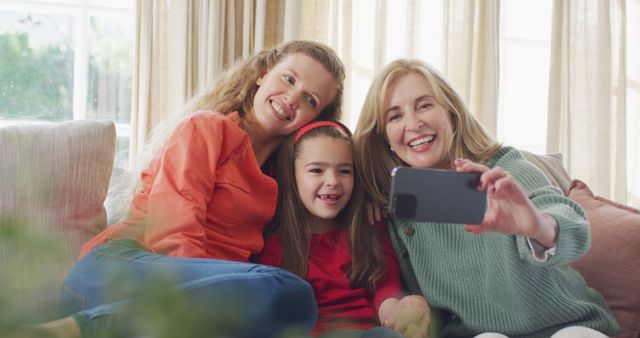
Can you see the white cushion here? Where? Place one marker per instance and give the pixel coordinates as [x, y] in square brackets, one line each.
[53, 182]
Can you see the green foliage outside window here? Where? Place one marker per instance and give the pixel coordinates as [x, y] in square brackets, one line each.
[35, 83]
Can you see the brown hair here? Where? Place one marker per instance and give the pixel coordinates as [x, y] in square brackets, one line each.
[292, 223]
[234, 90]
[373, 157]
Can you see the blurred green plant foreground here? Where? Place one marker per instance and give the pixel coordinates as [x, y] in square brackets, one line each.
[161, 312]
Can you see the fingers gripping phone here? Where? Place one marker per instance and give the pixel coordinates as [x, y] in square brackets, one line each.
[430, 195]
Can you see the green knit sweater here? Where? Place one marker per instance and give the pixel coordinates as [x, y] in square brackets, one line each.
[491, 282]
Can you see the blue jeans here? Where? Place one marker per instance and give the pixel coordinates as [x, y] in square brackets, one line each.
[374, 332]
[120, 289]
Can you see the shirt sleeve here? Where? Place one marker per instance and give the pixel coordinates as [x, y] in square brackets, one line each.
[573, 238]
[179, 195]
[390, 285]
[540, 253]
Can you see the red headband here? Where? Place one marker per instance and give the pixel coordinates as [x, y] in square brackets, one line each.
[316, 124]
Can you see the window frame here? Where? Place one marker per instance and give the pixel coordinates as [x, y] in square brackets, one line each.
[81, 11]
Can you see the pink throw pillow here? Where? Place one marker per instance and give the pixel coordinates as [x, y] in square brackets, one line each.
[612, 265]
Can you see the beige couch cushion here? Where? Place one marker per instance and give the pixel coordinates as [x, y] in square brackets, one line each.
[551, 166]
[53, 182]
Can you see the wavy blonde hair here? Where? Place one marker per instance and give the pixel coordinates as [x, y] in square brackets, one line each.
[292, 222]
[234, 90]
[373, 156]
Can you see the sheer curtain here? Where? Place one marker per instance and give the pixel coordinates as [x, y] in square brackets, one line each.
[586, 107]
[587, 93]
[182, 45]
[471, 51]
[368, 34]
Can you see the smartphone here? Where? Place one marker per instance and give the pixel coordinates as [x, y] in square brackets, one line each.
[431, 195]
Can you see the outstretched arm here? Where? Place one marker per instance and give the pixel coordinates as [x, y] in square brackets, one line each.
[510, 211]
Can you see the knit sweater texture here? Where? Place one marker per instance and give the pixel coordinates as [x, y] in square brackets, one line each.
[491, 282]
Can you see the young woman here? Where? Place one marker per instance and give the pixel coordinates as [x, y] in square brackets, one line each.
[203, 203]
[508, 275]
[320, 233]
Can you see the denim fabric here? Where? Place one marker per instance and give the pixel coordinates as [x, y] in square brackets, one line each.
[374, 332]
[119, 285]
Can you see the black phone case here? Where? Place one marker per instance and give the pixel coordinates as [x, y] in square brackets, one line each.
[430, 195]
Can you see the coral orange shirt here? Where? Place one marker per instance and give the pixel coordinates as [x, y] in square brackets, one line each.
[204, 195]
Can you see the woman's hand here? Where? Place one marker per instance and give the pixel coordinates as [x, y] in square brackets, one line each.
[374, 212]
[408, 315]
[509, 209]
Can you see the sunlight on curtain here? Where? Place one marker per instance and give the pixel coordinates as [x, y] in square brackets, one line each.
[525, 37]
[181, 46]
[499, 55]
[369, 34]
[587, 93]
[496, 53]
[471, 44]
[633, 101]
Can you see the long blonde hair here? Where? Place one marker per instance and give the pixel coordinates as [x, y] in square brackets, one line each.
[292, 223]
[234, 90]
[373, 157]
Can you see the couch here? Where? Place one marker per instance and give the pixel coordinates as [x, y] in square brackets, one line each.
[57, 188]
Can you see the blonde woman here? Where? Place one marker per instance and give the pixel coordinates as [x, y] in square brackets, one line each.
[509, 275]
[203, 202]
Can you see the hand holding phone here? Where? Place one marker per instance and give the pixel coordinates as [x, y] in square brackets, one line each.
[431, 195]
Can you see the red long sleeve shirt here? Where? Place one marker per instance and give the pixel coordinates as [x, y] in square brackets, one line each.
[339, 306]
[203, 196]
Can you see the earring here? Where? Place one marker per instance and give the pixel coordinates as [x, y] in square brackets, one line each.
[392, 150]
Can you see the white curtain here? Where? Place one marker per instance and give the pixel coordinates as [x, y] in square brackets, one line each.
[182, 45]
[587, 81]
[469, 45]
[471, 55]
[587, 93]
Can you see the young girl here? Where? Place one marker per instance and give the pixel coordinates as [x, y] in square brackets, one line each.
[203, 203]
[319, 233]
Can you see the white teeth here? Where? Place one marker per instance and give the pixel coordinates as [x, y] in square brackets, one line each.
[421, 141]
[333, 197]
[279, 110]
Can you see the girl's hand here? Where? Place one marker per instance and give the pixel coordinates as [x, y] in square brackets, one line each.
[509, 209]
[409, 316]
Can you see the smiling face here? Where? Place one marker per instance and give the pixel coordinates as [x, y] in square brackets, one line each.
[417, 127]
[291, 94]
[324, 178]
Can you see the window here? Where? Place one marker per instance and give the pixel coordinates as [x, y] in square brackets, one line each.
[65, 60]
